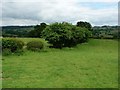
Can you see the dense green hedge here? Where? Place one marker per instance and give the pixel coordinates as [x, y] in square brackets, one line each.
[11, 45]
[65, 34]
[35, 45]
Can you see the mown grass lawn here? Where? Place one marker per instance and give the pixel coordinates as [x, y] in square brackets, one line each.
[89, 65]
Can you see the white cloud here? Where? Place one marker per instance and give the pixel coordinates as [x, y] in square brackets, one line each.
[60, 0]
[25, 13]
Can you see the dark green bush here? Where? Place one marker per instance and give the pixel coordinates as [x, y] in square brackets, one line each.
[6, 52]
[35, 45]
[0, 46]
[12, 44]
[116, 35]
[86, 35]
[57, 34]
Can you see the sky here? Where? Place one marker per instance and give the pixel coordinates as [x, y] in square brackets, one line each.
[32, 12]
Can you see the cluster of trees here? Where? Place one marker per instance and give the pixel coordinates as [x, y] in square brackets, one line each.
[65, 34]
[110, 32]
[62, 34]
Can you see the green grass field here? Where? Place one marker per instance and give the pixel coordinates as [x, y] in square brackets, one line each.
[89, 65]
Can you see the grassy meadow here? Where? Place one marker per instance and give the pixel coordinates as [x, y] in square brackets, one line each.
[89, 65]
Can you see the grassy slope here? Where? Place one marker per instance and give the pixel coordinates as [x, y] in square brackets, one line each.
[92, 65]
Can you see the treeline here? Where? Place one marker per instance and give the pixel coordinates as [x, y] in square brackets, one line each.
[98, 32]
[57, 35]
[16, 31]
[31, 31]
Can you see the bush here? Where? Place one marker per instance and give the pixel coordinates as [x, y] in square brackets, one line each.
[0, 46]
[6, 52]
[35, 45]
[57, 34]
[86, 35]
[12, 44]
[64, 34]
[116, 35]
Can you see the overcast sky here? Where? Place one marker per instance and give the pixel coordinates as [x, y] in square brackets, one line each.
[32, 12]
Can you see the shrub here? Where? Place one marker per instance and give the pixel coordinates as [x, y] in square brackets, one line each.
[12, 44]
[64, 34]
[6, 52]
[0, 46]
[116, 35]
[86, 35]
[35, 45]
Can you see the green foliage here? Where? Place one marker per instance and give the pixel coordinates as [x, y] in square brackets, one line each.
[6, 52]
[106, 32]
[37, 30]
[12, 44]
[0, 45]
[116, 35]
[16, 31]
[35, 45]
[85, 24]
[86, 35]
[64, 34]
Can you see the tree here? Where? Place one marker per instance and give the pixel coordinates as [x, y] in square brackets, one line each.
[84, 24]
[37, 30]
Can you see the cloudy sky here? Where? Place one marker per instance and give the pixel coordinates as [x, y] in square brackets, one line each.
[32, 12]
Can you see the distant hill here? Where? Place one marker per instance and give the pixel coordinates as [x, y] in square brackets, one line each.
[19, 31]
[106, 31]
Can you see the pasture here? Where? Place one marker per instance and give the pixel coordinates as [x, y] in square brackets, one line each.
[89, 65]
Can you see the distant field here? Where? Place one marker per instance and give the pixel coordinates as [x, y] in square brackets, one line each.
[89, 65]
[26, 40]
